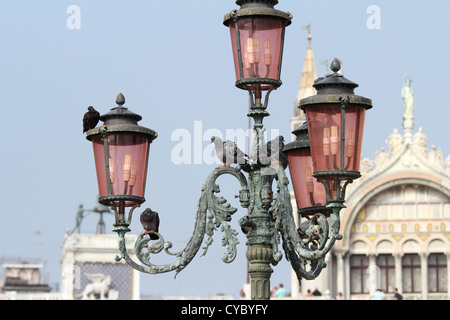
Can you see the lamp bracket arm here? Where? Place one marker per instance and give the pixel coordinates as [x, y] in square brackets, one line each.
[213, 213]
[305, 248]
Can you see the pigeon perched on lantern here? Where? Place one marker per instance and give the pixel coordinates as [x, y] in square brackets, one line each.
[90, 119]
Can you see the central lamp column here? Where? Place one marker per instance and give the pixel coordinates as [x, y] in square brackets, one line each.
[257, 37]
[260, 256]
[260, 234]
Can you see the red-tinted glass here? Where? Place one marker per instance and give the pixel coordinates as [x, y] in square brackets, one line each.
[128, 156]
[324, 123]
[308, 192]
[260, 41]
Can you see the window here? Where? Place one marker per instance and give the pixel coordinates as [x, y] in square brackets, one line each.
[386, 264]
[411, 273]
[437, 272]
[358, 274]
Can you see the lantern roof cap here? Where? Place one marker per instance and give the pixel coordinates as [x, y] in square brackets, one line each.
[120, 120]
[335, 82]
[252, 8]
[302, 139]
[120, 112]
[334, 88]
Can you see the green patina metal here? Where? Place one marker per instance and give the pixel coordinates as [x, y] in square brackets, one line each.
[270, 218]
[269, 222]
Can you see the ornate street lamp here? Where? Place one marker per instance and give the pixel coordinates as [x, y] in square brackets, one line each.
[121, 149]
[121, 154]
[257, 37]
[336, 121]
[310, 194]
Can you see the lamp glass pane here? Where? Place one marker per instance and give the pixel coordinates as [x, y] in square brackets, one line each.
[128, 156]
[308, 192]
[324, 123]
[260, 43]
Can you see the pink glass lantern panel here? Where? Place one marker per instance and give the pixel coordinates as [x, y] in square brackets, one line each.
[128, 156]
[308, 192]
[260, 42]
[324, 123]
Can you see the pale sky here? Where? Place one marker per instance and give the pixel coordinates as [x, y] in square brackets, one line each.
[172, 61]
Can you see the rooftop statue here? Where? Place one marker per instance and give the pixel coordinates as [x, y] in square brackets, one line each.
[408, 102]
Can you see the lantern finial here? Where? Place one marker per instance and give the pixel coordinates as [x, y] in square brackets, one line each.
[335, 65]
[120, 100]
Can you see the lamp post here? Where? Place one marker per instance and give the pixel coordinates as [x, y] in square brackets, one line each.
[121, 149]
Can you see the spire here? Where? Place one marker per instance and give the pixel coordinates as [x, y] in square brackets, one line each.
[309, 74]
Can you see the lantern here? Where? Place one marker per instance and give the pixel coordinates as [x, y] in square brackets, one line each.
[335, 120]
[257, 37]
[309, 193]
[121, 149]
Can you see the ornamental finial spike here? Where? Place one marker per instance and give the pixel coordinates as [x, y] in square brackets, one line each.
[120, 100]
[335, 65]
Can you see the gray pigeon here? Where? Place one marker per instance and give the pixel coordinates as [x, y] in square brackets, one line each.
[273, 150]
[150, 222]
[90, 119]
[228, 152]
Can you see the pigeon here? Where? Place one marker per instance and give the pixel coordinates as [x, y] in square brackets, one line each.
[150, 222]
[228, 152]
[90, 119]
[273, 150]
[303, 228]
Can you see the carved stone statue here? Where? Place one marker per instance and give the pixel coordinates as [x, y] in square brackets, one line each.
[366, 166]
[79, 218]
[381, 159]
[408, 101]
[395, 142]
[99, 287]
[435, 157]
[420, 142]
[408, 98]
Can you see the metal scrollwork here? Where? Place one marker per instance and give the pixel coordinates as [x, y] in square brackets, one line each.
[312, 241]
[304, 247]
[213, 213]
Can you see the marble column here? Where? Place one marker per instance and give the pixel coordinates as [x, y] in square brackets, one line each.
[398, 272]
[340, 273]
[424, 274]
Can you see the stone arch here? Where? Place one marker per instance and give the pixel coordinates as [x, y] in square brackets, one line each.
[356, 202]
[437, 245]
[359, 246]
[384, 246]
[411, 246]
